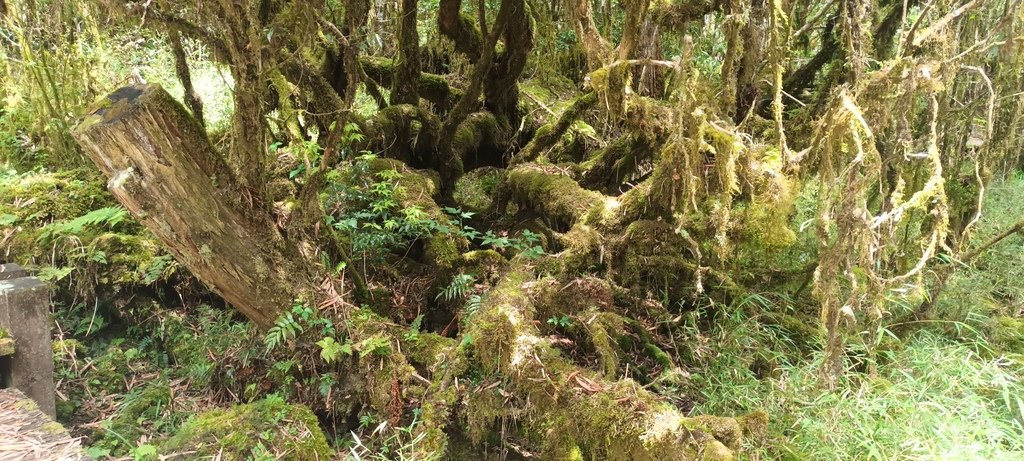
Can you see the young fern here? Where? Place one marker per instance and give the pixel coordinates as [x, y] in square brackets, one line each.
[458, 289]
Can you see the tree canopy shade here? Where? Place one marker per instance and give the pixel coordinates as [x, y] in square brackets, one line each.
[455, 186]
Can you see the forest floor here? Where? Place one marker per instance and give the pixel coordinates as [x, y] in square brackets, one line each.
[141, 347]
[952, 390]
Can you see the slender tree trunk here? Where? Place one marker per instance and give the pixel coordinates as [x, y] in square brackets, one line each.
[247, 143]
[405, 85]
[185, 76]
[162, 168]
[460, 29]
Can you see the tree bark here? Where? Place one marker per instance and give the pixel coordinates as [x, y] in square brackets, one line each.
[162, 168]
[460, 29]
[405, 89]
[185, 76]
[501, 89]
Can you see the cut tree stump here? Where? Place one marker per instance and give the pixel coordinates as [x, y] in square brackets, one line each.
[163, 169]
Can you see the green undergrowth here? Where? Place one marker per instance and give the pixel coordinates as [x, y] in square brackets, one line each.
[932, 399]
[67, 229]
[987, 293]
[947, 387]
[267, 429]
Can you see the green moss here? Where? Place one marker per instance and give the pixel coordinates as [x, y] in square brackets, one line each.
[556, 196]
[6, 346]
[482, 264]
[474, 190]
[605, 329]
[717, 451]
[573, 407]
[53, 427]
[766, 225]
[1007, 334]
[557, 298]
[127, 424]
[34, 200]
[244, 431]
[443, 358]
[755, 425]
[725, 430]
[651, 257]
[109, 369]
[478, 128]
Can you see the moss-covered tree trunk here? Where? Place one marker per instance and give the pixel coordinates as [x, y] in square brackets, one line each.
[162, 168]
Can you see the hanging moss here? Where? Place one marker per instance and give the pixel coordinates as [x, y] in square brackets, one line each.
[571, 407]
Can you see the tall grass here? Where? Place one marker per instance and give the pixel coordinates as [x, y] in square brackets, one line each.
[50, 51]
[951, 389]
[934, 399]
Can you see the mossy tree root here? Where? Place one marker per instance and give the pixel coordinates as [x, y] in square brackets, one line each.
[549, 192]
[549, 134]
[404, 132]
[575, 409]
[432, 87]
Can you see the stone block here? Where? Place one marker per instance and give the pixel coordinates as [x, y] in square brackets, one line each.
[11, 271]
[25, 314]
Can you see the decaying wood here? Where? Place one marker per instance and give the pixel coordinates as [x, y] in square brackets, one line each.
[162, 168]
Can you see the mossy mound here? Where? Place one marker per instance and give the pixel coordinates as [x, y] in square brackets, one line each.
[136, 409]
[268, 427]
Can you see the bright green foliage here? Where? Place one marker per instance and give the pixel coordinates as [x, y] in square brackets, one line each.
[560, 321]
[932, 398]
[697, 201]
[458, 289]
[68, 228]
[290, 325]
[331, 350]
[990, 287]
[402, 445]
[370, 211]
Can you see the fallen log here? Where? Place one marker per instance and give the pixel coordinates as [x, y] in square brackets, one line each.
[577, 410]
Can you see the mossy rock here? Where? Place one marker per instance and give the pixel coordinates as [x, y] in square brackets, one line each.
[265, 427]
